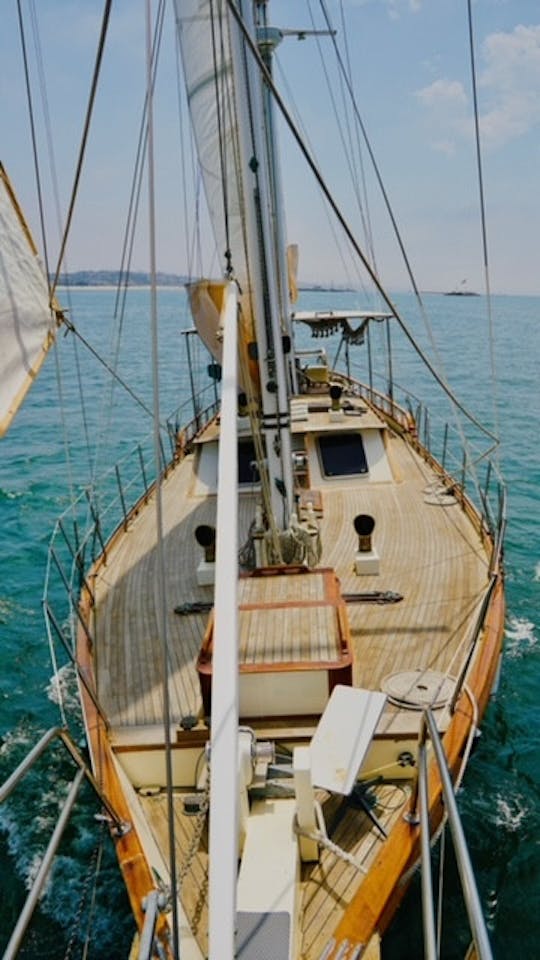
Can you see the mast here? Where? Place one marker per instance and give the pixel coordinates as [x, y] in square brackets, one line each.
[268, 38]
[226, 98]
[265, 235]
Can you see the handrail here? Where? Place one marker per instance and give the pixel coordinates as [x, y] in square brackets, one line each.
[32, 899]
[428, 908]
[152, 905]
[462, 466]
[25, 765]
[126, 485]
[466, 872]
[6, 788]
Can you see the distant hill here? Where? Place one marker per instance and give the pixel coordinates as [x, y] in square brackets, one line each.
[111, 278]
[138, 278]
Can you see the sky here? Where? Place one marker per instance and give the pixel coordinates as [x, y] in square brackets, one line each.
[412, 78]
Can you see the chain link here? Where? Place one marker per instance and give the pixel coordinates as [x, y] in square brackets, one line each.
[199, 827]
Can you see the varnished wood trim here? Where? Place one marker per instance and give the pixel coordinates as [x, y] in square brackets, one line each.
[378, 897]
[138, 877]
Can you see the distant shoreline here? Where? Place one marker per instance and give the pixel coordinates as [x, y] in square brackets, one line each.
[139, 280]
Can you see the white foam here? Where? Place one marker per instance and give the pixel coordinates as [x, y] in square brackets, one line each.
[62, 688]
[511, 811]
[520, 637]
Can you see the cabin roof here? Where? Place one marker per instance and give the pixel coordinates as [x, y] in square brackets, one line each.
[310, 415]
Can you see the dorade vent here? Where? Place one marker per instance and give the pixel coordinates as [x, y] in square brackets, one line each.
[367, 559]
[336, 410]
[205, 536]
[364, 526]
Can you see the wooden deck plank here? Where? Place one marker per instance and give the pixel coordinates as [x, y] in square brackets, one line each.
[429, 555]
[352, 831]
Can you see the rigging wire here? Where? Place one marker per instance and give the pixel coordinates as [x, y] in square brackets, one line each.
[73, 329]
[161, 572]
[456, 406]
[347, 229]
[184, 138]
[82, 149]
[33, 136]
[221, 141]
[330, 220]
[368, 227]
[374, 163]
[483, 221]
[138, 170]
[126, 256]
[494, 436]
[37, 173]
[347, 149]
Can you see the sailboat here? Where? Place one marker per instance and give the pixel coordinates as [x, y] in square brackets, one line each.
[286, 647]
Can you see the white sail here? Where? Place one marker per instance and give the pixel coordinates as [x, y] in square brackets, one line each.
[229, 121]
[206, 54]
[27, 322]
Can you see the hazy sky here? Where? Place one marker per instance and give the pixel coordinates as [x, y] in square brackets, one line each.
[411, 70]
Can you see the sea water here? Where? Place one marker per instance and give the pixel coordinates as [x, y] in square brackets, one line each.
[499, 800]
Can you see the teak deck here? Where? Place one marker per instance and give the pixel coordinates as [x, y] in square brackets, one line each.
[431, 555]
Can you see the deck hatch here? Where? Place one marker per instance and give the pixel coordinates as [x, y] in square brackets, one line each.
[342, 454]
[294, 643]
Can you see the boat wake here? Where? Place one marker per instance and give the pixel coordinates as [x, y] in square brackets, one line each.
[62, 689]
[84, 894]
[520, 637]
[11, 494]
[510, 812]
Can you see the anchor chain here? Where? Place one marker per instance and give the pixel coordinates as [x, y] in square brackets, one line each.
[200, 821]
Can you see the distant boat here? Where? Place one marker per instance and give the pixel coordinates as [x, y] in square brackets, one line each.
[461, 291]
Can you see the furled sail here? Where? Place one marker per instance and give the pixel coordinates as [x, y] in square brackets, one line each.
[27, 322]
[203, 28]
[204, 32]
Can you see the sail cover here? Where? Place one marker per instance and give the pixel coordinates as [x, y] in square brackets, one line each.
[26, 320]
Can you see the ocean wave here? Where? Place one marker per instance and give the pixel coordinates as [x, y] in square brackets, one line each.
[536, 576]
[84, 886]
[520, 637]
[6, 610]
[511, 811]
[11, 494]
[62, 690]
[9, 609]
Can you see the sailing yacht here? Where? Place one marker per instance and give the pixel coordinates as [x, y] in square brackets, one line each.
[286, 647]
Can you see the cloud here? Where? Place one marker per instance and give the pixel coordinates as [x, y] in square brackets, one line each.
[442, 92]
[511, 80]
[394, 7]
[449, 113]
[508, 84]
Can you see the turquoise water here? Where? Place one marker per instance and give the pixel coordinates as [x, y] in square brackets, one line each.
[500, 800]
